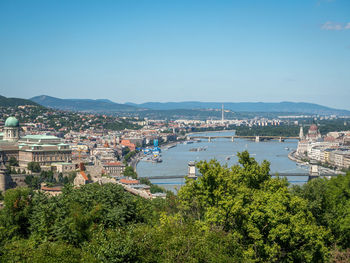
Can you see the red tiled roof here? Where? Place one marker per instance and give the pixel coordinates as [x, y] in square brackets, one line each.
[329, 139]
[313, 127]
[44, 188]
[114, 163]
[84, 175]
[128, 181]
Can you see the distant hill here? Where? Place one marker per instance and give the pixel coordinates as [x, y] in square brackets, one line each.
[86, 105]
[14, 102]
[108, 106]
[300, 107]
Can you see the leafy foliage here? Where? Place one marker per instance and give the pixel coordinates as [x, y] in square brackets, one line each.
[237, 214]
[268, 221]
[284, 130]
[329, 202]
[129, 171]
[129, 155]
[34, 167]
[13, 161]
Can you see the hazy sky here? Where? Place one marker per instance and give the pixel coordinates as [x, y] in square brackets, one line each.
[138, 51]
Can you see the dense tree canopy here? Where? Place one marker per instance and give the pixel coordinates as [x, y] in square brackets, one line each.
[237, 214]
[268, 221]
[34, 167]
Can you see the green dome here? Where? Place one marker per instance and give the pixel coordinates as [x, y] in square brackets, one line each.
[11, 122]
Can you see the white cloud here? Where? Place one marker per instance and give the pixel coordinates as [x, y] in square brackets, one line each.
[335, 26]
[319, 2]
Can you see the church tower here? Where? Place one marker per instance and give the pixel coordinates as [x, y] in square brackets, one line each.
[301, 133]
[11, 130]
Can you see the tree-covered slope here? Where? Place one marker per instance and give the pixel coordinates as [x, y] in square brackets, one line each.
[13, 102]
[86, 105]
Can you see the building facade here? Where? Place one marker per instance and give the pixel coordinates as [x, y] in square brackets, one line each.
[114, 168]
[44, 149]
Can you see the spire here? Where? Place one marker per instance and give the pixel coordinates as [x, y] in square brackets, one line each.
[222, 113]
[301, 133]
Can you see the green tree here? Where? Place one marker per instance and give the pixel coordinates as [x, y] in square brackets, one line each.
[271, 224]
[32, 181]
[14, 217]
[129, 171]
[173, 240]
[329, 202]
[60, 178]
[34, 167]
[49, 252]
[129, 155]
[111, 245]
[13, 161]
[72, 216]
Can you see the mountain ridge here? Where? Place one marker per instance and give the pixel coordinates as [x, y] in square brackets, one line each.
[14, 102]
[284, 106]
[87, 105]
[106, 105]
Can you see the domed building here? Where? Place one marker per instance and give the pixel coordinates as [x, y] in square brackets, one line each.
[44, 149]
[11, 130]
[8, 140]
[313, 134]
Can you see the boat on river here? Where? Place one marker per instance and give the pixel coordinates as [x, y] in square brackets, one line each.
[198, 149]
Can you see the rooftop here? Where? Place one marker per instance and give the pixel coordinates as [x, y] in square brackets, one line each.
[113, 164]
[83, 174]
[57, 188]
[40, 137]
[129, 181]
[11, 122]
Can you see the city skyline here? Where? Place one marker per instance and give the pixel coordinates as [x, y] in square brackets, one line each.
[144, 51]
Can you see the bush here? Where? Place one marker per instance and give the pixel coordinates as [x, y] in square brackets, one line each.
[34, 167]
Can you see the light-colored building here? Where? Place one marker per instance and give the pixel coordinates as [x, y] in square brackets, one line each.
[347, 161]
[114, 168]
[340, 158]
[81, 179]
[302, 147]
[45, 154]
[44, 149]
[63, 167]
[315, 153]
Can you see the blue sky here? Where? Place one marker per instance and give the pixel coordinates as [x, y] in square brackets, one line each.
[138, 51]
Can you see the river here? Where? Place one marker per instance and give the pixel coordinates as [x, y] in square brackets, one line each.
[175, 160]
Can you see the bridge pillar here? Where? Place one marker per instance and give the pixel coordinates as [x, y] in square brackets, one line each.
[192, 170]
[209, 139]
[313, 172]
[257, 138]
[232, 139]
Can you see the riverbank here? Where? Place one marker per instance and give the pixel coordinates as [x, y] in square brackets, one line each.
[220, 131]
[135, 160]
[165, 146]
[294, 157]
